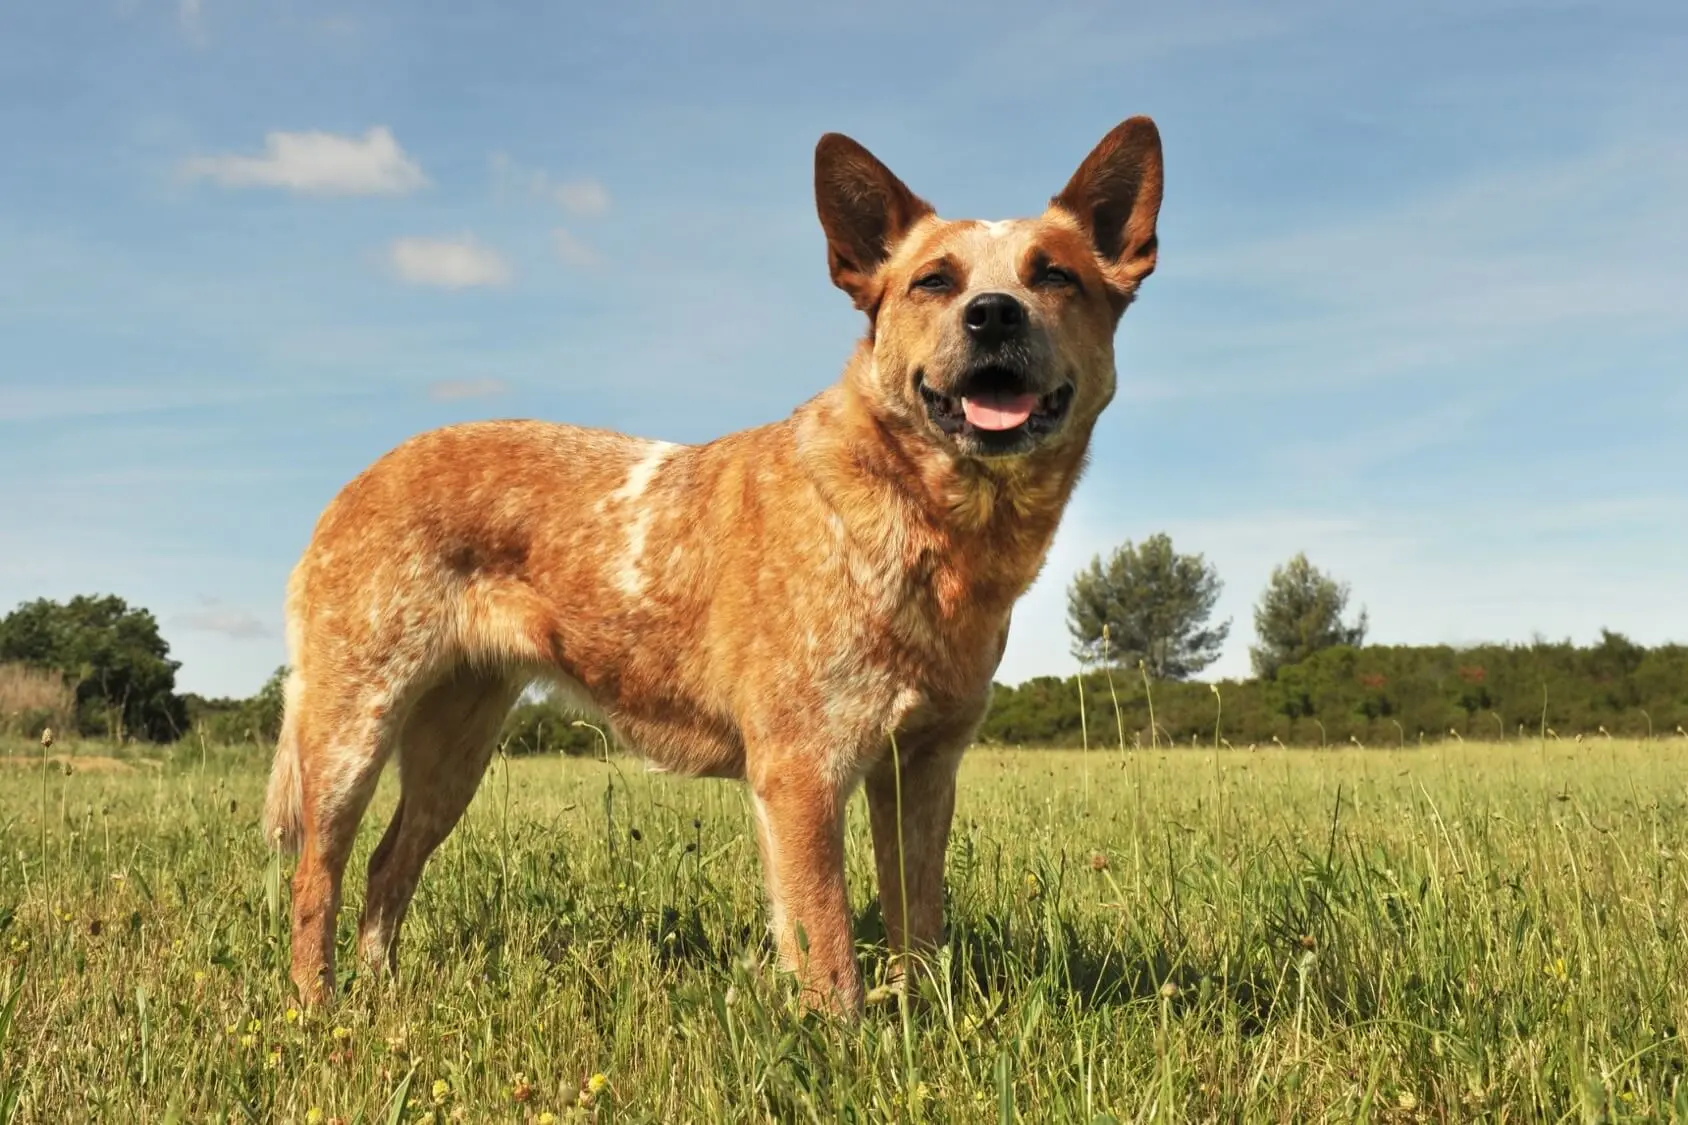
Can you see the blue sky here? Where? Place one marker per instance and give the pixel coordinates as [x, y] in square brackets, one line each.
[1420, 308]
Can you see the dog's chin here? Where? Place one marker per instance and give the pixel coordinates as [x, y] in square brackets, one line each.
[995, 411]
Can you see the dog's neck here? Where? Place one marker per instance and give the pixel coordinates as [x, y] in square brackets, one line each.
[982, 528]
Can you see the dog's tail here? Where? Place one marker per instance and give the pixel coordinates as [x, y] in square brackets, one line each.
[284, 800]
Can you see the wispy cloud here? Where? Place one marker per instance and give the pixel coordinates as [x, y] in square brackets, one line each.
[1372, 443]
[318, 163]
[454, 390]
[190, 17]
[459, 263]
[1501, 263]
[573, 251]
[582, 197]
[41, 404]
[337, 26]
[213, 616]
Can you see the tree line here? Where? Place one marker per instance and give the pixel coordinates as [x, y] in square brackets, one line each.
[1379, 695]
[1142, 626]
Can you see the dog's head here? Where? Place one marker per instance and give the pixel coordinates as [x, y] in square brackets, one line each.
[994, 339]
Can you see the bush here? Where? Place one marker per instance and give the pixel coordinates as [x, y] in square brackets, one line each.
[546, 727]
[1378, 695]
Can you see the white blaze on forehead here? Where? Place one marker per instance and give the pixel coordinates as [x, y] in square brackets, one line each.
[628, 575]
[999, 228]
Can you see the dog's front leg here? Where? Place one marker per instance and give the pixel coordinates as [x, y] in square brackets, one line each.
[909, 852]
[800, 829]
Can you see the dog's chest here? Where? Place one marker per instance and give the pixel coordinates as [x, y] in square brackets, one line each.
[899, 647]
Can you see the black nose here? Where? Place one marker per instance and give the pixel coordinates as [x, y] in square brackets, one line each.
[993, 318]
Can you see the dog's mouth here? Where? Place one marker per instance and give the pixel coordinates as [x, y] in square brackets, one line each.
[994, 409]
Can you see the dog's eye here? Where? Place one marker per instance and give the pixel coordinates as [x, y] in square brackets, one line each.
[1055, 275]
[934, 282]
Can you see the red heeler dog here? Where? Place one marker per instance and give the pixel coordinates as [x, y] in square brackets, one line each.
[778, 605]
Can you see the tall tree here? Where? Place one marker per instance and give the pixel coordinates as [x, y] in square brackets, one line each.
[1300, 613]
[1156, 605]
[121, 666]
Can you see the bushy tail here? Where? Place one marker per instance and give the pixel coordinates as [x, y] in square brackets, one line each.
[284, 800]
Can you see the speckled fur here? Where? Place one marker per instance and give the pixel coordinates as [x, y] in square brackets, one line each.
[776, 605]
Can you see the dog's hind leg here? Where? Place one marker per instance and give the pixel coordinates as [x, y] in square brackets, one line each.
[343, 729]
[444, 749]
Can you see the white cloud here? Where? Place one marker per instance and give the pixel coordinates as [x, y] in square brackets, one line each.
[215, 617]
[452, 390]
[448, 263]
[318, 163]
[573, 251]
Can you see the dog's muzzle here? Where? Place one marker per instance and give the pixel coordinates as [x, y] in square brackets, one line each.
[995, 410]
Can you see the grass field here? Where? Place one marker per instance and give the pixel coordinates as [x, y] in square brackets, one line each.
[1443, 934]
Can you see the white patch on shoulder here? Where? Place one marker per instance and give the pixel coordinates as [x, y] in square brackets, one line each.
[629, 575]
[639, 476]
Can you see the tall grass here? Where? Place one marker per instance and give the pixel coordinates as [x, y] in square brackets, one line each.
[31, 699]
[1472, 932]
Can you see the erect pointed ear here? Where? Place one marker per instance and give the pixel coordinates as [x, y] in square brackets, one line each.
[1116, 195]
[865, 211]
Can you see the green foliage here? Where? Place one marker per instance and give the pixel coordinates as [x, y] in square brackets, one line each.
[238, 721]
[1154, 604]
[1378, 695]
[545, 726]
[125, 680]
[1299, 614]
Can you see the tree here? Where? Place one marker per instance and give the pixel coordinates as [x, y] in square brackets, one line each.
[1300, 613]
[1155, 604]
[256, 719]
[125, 680]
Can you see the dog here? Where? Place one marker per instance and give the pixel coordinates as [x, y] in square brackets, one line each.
[806, 606]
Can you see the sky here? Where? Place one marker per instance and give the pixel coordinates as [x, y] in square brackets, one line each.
[1419, 310]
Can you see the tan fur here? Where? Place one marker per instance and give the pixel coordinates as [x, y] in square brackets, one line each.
[776, 605]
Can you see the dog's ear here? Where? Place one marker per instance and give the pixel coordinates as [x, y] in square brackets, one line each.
[865, 211]
[1116, 196]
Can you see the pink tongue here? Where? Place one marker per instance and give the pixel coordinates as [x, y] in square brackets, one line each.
[999, 411]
